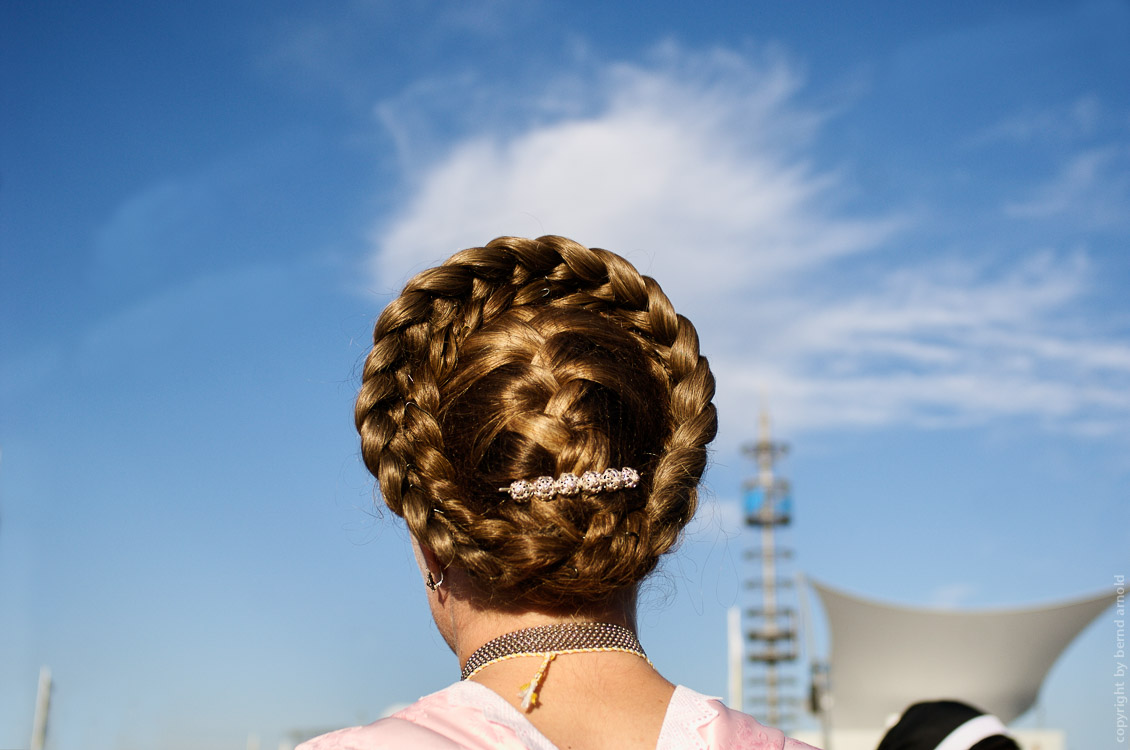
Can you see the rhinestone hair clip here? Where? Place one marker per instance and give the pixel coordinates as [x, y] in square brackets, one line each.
[591, 482]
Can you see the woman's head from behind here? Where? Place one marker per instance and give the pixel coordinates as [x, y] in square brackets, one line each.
[531, 358]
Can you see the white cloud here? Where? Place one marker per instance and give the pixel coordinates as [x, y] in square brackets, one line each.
[697, 161]
[929, 346]
[1092, 189]
[698, 168]
[1078, 119]
[1084, 143]
[188, 225]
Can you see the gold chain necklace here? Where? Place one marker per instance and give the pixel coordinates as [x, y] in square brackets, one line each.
[551, 641]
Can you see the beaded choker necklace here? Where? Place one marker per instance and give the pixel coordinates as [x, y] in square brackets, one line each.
[551, 641]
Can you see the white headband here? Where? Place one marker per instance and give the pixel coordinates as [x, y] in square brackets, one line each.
[971, 732]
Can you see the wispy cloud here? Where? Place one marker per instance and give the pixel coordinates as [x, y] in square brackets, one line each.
[187, 225]
[352, 50]
[1092, 189]
[1075, 120]
[694, 157]
[1082, 147]
[701, 169]
[930, 345]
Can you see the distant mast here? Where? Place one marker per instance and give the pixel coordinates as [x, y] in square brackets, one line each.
[771, 632]
[42, 710]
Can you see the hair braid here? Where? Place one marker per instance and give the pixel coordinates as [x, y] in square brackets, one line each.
[526, 358]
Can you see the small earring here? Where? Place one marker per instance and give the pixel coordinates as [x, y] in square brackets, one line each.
[432, 583]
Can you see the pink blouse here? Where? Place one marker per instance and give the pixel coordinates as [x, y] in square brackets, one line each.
[469, 716]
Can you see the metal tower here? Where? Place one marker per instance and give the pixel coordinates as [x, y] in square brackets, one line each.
[771, 621]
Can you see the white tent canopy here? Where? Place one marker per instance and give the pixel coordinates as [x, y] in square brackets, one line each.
[885, 657]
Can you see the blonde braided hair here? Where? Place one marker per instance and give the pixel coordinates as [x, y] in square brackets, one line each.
[526, 358]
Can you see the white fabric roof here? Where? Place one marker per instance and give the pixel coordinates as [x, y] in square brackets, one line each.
[885, 657]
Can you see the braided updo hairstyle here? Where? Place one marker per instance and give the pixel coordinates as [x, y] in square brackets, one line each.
[528, 358]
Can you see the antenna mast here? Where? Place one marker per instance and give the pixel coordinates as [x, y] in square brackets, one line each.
[771, 624]
[42, 708]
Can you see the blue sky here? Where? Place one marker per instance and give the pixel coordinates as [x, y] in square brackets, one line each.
[905, 229]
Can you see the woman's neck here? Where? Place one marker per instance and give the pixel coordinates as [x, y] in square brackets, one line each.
[472, 627]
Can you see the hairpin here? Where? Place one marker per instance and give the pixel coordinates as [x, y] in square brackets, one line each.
[591, 482]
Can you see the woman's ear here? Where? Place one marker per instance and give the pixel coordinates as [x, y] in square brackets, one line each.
[429, 564]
